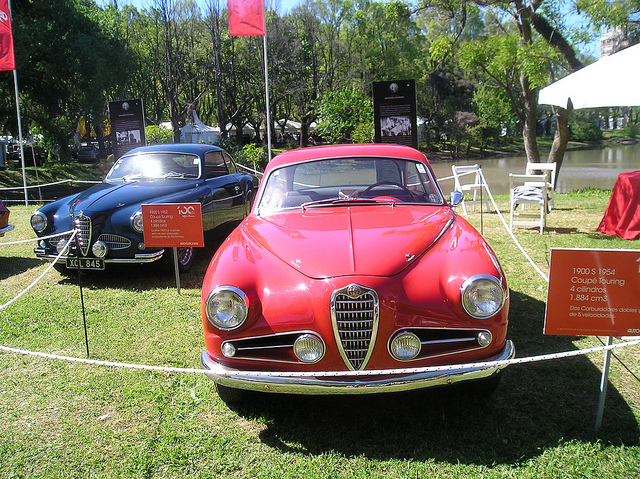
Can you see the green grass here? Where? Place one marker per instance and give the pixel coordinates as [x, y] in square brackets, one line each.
[60, 419]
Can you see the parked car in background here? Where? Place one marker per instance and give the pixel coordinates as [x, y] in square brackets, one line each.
[4, 219]
[351, 268]
[108, 216]
[35, 155]
[86, 154]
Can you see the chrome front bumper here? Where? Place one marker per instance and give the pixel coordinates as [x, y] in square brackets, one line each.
[138, 258]
[368, 384]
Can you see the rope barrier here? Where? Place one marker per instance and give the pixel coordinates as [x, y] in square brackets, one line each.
[11, 188]
[64, 251]
[35, 239]
[401, 371]
[289, 374]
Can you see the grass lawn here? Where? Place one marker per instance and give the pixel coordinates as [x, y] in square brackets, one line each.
[60, 419]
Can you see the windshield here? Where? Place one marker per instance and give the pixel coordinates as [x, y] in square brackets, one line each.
[349, 180]
[154, 166]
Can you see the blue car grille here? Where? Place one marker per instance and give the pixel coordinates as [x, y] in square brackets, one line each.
[354, 314]
[83, 225]
[115, 241]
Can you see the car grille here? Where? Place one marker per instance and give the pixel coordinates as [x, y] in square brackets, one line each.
[115, 241]
[83, 225]
[355, 313]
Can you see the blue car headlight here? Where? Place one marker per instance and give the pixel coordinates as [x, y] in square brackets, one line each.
[39, 222]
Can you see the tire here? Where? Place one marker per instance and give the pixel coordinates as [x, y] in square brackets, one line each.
[231, 396]
[185, 259]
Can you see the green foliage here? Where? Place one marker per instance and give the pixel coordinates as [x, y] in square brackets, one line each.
[632, 130]
[156, 134]
[342, 112]
[253, 155]
[582, 128]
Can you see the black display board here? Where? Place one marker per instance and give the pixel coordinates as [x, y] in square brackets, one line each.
[394, 104]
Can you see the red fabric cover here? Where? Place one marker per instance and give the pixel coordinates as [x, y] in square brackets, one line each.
[622, 217]
[4, 215]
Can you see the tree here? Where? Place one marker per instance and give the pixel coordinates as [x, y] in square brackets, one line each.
[343, 113]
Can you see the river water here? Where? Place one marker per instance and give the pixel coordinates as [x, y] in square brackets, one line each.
[596, 168]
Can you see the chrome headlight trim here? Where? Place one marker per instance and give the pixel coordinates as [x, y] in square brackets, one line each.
[99, 249]
[136, 222]
[39, 221]
[405, 346]
[309, 348]
[227, 308]
[482, 296]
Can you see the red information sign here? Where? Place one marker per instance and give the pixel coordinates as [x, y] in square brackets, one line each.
[593, 292]
[170, 225]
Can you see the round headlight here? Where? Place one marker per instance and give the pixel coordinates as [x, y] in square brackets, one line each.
[405, 346]
[38, 222]
[99, 249]
[61, 245]
[482, 296]
[227, 308]
[136, 222]
[308, 348]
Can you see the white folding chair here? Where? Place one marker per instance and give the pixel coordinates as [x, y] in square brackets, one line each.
[528, 190]
[548, 169]
[468, 179]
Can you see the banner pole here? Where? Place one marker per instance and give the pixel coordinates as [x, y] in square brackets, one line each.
[266, 84]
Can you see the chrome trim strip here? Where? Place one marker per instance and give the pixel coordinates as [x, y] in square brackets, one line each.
[350, 385]
[138, 258]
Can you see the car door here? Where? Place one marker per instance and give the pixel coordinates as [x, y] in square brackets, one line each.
[225, 201]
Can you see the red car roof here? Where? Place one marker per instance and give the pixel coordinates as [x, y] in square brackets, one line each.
[341, 151]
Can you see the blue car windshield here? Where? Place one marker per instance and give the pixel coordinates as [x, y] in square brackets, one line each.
[155, 166]
[352, 181]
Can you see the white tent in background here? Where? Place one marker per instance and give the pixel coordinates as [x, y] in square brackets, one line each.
[611, 81]
[197, 132]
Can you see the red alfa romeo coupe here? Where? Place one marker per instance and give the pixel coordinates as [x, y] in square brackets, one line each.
[352, 275]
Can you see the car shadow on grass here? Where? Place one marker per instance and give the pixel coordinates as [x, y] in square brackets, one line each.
[538, 405]
[156, 275]
[11, 266]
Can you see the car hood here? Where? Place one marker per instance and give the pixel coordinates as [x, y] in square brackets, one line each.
[107, 196]
[359, 240]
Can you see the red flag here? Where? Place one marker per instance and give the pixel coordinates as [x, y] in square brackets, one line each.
[7, 60]
[246, 17]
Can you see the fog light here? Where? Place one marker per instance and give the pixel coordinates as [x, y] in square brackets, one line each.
[308, 348]
[42, 244]
[405, 346]
[484, 338]
[228, 350]
[99, 249]
[61, 245]
[141, 246]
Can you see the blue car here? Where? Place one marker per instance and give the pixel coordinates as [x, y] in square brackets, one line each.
[108, 216]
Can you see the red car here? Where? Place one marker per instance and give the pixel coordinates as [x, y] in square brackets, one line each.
[351, 273]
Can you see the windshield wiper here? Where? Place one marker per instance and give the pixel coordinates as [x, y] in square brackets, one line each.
[176, 174]
[132, 177]
[347, 201]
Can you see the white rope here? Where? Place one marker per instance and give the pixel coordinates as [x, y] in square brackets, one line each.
[35, 239]
[48, 184]
[64, 250]
[255, 172]
[316, 374]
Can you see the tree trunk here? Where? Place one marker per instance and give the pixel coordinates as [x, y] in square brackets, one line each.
[529, 129]
[560, 138]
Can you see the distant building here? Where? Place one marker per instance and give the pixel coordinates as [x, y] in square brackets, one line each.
[619, 38]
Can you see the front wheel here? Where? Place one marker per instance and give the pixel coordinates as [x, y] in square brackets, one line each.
[185, 259]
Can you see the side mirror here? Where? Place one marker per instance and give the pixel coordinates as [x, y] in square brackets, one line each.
[456, 198]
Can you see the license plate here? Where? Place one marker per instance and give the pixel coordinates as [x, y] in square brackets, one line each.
[85, 263]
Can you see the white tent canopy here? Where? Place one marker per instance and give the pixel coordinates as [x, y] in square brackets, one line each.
[611, 81]
[197, 132]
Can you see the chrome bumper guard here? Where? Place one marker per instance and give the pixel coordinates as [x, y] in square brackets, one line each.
[138, 258]
[349, 384]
